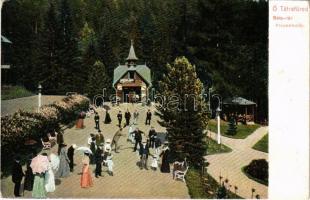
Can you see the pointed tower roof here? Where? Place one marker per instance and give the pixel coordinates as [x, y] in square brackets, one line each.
[132, 55]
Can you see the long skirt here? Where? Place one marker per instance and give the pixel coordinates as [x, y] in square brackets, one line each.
[50, 181]
[86, 179]
[38, 190]
[165, 167]
[29, 179]
[80, 123]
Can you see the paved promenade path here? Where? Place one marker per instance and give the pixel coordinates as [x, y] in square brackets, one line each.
[26, 103]
[128, 180]
[228, 165]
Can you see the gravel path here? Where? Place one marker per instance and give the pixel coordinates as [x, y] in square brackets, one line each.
[26, 103]
[228, 165]
[128, 180]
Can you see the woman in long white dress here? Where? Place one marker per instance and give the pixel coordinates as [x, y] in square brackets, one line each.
[49, 175]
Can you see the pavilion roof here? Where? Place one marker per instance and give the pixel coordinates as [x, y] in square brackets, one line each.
[238, 101]
[5, 40]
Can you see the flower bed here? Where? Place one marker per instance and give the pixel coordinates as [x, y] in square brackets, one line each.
[22, 125]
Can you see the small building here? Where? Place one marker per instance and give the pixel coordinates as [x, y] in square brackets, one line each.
[132, 82]
[243, 108]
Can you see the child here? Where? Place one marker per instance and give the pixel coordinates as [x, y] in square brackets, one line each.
[110, 164]
[154, 164]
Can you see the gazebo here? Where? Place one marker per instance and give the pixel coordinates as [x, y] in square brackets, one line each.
[241, 106]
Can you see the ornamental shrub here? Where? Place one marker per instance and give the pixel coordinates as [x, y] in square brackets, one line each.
[232, 128]
[258, 169]
[22, 125]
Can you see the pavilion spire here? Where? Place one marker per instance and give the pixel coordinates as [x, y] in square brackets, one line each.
[132, 55]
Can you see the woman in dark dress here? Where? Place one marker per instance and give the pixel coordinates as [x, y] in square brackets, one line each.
[29, 177]
[93, 149]
[165, 167]
[107, 119]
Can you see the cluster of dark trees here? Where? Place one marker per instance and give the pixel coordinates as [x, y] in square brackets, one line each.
[57, 42]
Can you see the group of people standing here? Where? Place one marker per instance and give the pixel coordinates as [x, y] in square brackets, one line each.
[62, 163]
[41, 171]
[152, 142]
[127, 116]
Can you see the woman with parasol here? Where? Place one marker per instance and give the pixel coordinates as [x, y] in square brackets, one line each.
[86, 179]
[39, 165]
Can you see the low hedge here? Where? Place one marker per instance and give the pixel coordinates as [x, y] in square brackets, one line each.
[257, 170]
[16, 128]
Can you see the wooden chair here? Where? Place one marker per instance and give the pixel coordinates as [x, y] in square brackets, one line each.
[46, 145]
[180, 174]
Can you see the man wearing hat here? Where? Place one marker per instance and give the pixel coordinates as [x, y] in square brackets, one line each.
[17, 175]
[152, 137]
[119, 118]
[138, 138]
[98, 161]
[144, 153]
[97, 119]
[70, 154]
[99, 138]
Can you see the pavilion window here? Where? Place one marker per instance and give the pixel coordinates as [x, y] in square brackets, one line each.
[131, 75]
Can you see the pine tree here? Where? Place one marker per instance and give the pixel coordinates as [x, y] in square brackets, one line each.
[70, 56]
[48, 71]
[232, 128]
[97, 79]
[185, 120]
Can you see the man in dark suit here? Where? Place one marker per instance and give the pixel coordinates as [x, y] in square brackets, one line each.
[97, 118]
[119, 117]
[17, 175]
[148, 117]
[127, 117]
[144, 154]
[98, 161]
[70, 154]
[152, 137]
[138, 138]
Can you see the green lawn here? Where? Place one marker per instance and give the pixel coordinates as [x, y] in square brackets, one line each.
[262, 144]
[242, 130]
[214, 148]
[199, 190]
[13, 92]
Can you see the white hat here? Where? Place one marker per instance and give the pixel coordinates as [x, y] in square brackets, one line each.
[74, 146]
[108, 141]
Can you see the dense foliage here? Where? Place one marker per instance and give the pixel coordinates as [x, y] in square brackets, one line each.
[258, 170]
[22, 125]
[183, 112]
[59, 41]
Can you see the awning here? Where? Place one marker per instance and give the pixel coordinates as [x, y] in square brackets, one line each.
[5, 40]
[238, 101]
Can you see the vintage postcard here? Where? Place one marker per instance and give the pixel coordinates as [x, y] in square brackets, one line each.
[148, 99]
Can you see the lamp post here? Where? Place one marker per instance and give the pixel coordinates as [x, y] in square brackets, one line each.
[39, 96]
[210, 90]
[218, 111]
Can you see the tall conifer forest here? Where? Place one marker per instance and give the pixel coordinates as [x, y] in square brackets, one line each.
[57, 42]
